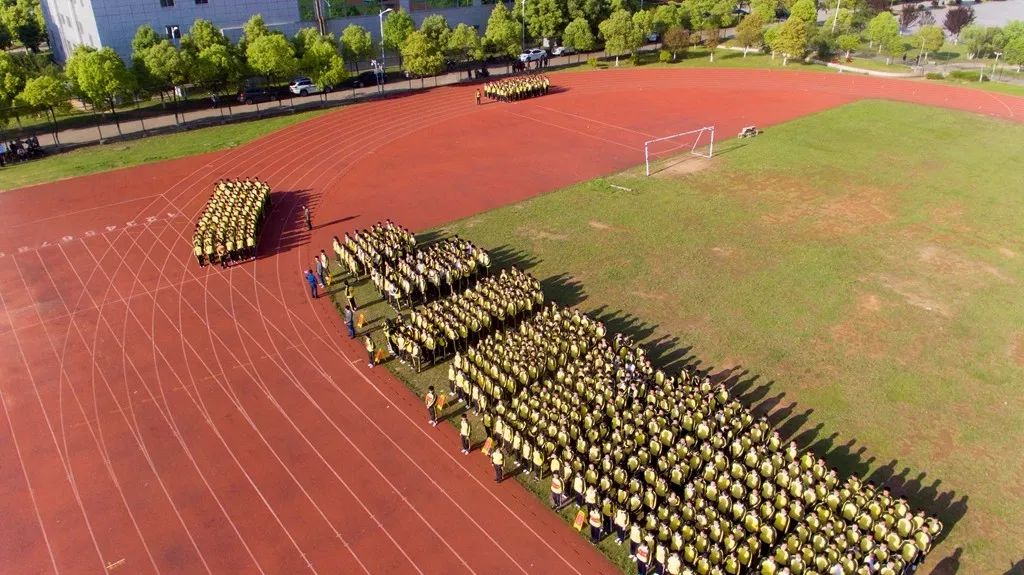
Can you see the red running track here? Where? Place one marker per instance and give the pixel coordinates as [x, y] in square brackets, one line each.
[158, 417]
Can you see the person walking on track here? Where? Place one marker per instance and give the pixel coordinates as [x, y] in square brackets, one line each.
[370, 349]
[465, 430]
[431, 400]
[307, 218]
[350, 320]
[478, 97]
[311, 280]
[498, 461]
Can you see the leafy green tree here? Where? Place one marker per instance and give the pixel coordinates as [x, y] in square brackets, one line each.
[978, 40]
[546, 18]
[502, 34]
[617, 32]
[255, 27]
[21, 18]
[100, 76]
[843, 20]
[750, 32]
[643, 25]
[12, 81]
[1006, 34]
[881, 29]
[464, 44]
[712, 38]
[771, 35]
[421, 55]
[848, 43]
[677, 41]
[356, 44]
[764, 8]
[272, 55]
[929, 39]
[804, 10]
[145, 38]
[397, 27]
[322, 62]
[303, 39]
[593, 11]
[437, 29]
[708, 14]
[1013, 52]
[791, 40]
[46, 93]
[218, 67]
[202, 35]
[168, 65]
[895, 47]
[6, 40]
[578, 36]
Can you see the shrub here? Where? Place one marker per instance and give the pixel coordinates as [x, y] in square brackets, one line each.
[966, 75]
[592, 61]
[664, 56]
[934, 76]
[635, 59]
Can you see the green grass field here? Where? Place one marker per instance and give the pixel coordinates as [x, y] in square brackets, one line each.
[94, 159]
[860, 269]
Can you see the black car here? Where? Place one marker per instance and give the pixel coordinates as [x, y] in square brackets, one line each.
[367, 78]
[253, 95]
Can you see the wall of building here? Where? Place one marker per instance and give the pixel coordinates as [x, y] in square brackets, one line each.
[70, 23]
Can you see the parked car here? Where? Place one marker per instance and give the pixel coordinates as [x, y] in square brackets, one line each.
[305, 87]
[563, 51]
[367, 78]
[254, 95]
[654, 37]
[532, 55]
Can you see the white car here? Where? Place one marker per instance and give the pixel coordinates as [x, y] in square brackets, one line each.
[563, 50]
[304, 87]
[532, 55]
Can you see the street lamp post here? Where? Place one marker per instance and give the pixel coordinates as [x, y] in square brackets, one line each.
[383, 64]
[523, 45]
[995, 66]
[835, 17]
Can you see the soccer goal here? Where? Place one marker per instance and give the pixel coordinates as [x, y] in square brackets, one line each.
[699, 142]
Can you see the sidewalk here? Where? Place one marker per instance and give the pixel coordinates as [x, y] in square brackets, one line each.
[107, 132]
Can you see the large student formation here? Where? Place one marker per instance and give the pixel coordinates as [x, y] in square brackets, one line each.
[229, 227]
[666, 463]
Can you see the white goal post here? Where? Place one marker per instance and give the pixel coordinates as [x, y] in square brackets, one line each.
[702, 137]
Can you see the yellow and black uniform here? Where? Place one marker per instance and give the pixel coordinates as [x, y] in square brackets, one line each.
[465, 432]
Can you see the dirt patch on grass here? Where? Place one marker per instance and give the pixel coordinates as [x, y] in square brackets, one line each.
[949, 263]
[724, 251]
[1016, 351]
[680, 166]
[652, 296]
[833, 214]
[916, 294]
[535, 234]
[1007, 252]
[601, 226]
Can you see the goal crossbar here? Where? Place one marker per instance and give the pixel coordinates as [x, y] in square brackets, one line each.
[693, 149]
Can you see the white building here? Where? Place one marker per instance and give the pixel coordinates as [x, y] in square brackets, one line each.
[113, 23]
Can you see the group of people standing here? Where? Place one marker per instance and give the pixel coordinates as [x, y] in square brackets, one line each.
[229, 227]
[515, 88]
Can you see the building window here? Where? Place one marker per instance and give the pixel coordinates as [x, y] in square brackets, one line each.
[173, 32]
[166, 3]
[202, 2]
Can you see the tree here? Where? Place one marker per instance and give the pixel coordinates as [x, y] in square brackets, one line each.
[217, 67]
[676, 41]
[21, 18]
[304, 38]
[750, 32]
[895, 47]
[12, 81]
[502, 34]
[593, 11]
[577, 35]
[1001, 37]
[804, 10]
[322, 62]
[882, 28]
[271, 55]
[929, 39]
[667, 16]
[202, 35]
[617, 32]
[397, 27]
[436, 28]
[545, 18]
[356, 44]
[1013, 52]
[766, 9]
[145, 38]
[643, 25]
[910, 15]
[6, 40]
[464, 44]
[791, 39]
[843, 19]
[977, 39]
[771, 36]
[848, 43]
[708, 14]
[421, 55]
[101, 77]
[253, 28]
[167, 66]
[47, 92]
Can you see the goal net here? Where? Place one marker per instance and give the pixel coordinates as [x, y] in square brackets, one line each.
[662, 152]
